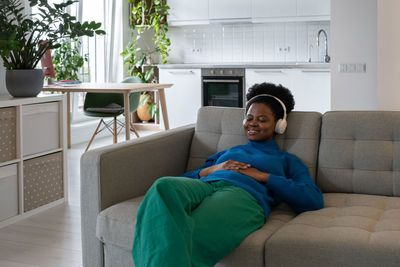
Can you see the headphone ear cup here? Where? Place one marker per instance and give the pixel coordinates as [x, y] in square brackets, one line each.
[280, 126]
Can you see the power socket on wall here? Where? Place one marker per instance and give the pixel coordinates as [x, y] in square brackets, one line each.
[352, 67]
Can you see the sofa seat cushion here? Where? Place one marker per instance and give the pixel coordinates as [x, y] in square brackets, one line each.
[116, 226]
[352, 230]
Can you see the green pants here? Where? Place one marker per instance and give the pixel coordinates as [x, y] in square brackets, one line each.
[185, 222]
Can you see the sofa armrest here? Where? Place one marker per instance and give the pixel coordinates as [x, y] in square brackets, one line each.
[119, 172]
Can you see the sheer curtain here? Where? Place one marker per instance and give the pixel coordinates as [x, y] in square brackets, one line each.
[105, 62]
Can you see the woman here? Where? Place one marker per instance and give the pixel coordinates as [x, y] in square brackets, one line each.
[197, 222]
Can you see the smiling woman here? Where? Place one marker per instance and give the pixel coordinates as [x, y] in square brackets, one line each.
[201, 220]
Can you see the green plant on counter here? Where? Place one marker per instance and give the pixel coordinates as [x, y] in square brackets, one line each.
[24, 39]
[67, 59]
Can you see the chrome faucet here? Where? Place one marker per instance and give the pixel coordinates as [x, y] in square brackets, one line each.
[326, 57]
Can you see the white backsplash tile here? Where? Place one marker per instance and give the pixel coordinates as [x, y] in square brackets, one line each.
[269, 42]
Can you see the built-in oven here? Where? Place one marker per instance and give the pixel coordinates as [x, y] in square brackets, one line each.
[223, 87]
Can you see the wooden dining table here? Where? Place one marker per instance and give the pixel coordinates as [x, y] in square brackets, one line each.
[123, 88]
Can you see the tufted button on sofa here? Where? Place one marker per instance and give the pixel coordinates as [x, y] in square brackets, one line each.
[353, 156]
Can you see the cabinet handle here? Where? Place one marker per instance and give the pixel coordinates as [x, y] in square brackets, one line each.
[268, 71]
[182, 72]
[220, 81]
[315, 71]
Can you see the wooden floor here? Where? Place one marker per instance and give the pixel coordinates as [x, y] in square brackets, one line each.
[53, 237]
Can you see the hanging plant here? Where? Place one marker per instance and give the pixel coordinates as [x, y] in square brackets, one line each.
[147, 15]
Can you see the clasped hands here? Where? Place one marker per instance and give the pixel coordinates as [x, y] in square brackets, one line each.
[237, 166]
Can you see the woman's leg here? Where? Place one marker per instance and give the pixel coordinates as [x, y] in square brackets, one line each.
[164, 227]
[222, 221]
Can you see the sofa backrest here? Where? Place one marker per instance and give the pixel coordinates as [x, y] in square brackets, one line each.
[360, 152]
[220, 128]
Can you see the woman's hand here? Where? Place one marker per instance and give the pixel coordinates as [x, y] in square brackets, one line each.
[257, 175]
[232, 165]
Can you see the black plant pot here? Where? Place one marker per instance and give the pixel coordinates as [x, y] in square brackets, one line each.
[24, 83]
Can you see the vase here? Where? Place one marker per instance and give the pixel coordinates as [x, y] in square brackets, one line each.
[24, 83]
[142, 111]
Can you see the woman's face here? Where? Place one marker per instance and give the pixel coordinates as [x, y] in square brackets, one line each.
[259, 124]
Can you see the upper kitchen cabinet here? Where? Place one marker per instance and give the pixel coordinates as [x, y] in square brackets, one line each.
[314, 8]
[290, 10]
[272, 8]
[188, 12]
[228, 10]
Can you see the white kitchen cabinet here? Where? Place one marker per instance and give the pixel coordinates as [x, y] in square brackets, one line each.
[276, 76]
[230, 10]
[32, 156]
[187, 12]
[184, 97]
[290, 10]
[313, 7]
[273, 8]
[312, 90]
[310, 87]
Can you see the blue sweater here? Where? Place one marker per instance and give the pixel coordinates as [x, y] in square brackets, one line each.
[289, 179]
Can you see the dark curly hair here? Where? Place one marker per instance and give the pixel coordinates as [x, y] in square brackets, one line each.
[278, 91]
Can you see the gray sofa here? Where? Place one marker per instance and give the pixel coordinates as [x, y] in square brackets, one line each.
[354, 157]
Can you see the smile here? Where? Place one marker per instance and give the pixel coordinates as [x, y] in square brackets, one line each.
[252, 132]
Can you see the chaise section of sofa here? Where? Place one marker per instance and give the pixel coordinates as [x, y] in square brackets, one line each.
[114, 180]
[359, 173]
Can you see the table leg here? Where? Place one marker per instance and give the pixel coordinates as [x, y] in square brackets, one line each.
[69, 119]
[127, 117]
[163, 103]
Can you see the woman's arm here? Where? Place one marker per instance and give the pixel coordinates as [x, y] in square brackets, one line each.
[210, 166]
[298, 190]
[227, 165]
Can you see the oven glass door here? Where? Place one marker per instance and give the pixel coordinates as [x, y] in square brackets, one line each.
[223, 91]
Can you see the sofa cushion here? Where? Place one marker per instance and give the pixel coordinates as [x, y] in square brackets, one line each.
[352, 230]
[360, 153]
[220, 128]
[116, 227]
[116, 224]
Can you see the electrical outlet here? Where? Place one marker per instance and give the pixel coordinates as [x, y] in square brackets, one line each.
[352, 67]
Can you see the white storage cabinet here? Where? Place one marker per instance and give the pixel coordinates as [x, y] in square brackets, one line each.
[32, 156]
[187, 12]
[184, 97]
[310, 87]
[230, 10]
[290, 10]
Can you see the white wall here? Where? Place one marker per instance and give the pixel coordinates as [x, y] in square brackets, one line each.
[354, 40]
[388, 55]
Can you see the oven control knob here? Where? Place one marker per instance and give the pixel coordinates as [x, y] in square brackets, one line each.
[230, 72]
[221, 72]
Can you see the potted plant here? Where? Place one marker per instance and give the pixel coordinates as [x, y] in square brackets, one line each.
[25, 39]
[147, 15]
[68, 60]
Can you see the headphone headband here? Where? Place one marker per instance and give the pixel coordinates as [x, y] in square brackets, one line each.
[277, 99]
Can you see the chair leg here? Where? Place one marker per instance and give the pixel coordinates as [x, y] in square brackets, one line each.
[115, 134]
[95, 132]
[134, 129]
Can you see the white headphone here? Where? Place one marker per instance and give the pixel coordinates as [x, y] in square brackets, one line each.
[281, 124]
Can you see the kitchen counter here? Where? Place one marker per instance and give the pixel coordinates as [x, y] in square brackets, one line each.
[250, 65]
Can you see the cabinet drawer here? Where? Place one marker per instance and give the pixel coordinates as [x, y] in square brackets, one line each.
[8, 191]
[40, 128]
[8, 134]
[43, 180]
